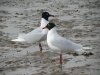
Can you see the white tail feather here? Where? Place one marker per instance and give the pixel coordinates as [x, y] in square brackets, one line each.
[84, 49]
[21, 35]
[20, 38]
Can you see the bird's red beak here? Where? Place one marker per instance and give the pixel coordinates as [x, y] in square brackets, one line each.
[44, 27]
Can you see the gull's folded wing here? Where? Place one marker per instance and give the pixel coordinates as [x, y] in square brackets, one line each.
[30, 37]
[65, 44]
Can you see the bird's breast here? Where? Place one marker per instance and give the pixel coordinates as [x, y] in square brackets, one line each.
[50, 40]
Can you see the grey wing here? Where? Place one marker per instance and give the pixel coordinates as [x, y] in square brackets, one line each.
[31, 37]
[65, 44]
[36, 30]
[34, 36]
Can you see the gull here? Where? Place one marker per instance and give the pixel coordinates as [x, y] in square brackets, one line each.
[37, 35]
[57, 42]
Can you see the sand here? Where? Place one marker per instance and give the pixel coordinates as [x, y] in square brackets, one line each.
[78, 20]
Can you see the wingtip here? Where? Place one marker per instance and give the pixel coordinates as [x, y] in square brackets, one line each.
[86, 48]
[18, 40]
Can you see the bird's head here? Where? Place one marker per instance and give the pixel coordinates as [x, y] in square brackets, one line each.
[50, 26]
[46, 15]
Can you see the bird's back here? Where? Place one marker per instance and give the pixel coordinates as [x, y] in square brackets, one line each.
[60, 43]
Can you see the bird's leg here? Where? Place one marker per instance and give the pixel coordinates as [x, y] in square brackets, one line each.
[61, 60]
[54, 60]
[40, 46]
[41, 55]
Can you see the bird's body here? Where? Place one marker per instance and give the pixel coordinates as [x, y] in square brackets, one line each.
[36, 35]
[56, 42]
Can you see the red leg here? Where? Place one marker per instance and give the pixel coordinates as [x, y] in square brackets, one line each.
[61, 58]
[54, 60]
[40, 46]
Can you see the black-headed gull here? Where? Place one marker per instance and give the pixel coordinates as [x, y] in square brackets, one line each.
[56, 42]
[37, 35]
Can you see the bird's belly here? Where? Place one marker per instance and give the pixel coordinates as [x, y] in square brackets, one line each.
[52, 46]
[43, 38]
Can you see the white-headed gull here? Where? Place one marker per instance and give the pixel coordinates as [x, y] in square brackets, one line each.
[37, 35]
[56, 42]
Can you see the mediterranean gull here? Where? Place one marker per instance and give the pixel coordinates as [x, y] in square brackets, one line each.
[56, 42]
[37, 35]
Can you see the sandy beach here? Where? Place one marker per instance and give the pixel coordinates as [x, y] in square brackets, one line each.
[77, 20]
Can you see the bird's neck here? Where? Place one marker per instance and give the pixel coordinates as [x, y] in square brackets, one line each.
[44, 22]
[53, 31]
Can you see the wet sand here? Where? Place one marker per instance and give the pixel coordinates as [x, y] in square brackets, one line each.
[77, 20]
